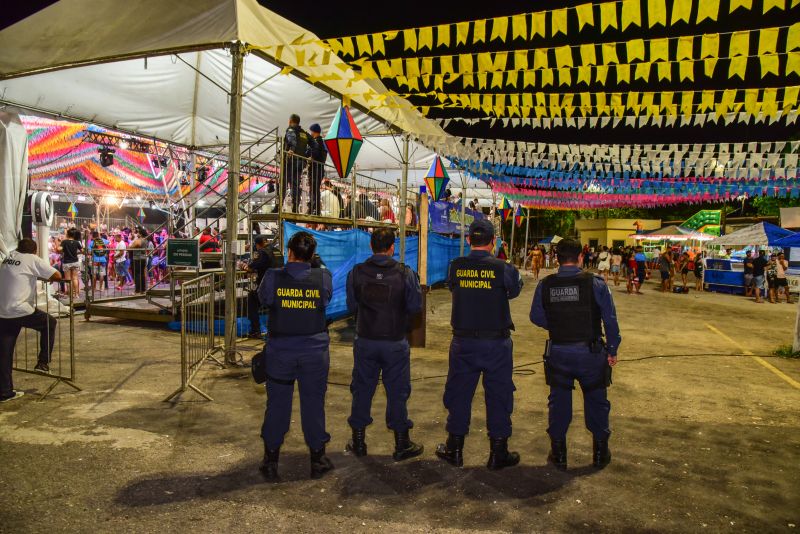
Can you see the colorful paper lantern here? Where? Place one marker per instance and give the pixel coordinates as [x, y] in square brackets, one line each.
[141, 214]
[436, 178]
[518, 216]
[505, 209]
[73, 211]
[343, 141]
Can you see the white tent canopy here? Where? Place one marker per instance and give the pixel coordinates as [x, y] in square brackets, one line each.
[161, 69]
[761, 234]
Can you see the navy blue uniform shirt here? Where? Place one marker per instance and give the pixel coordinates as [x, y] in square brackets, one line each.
[297, 270]
[511, 277]
[317, 149]
[602, 296]
[261, 262]
[413, 293]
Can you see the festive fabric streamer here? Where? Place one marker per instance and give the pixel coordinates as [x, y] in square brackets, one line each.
[437, 178]
[343, 141]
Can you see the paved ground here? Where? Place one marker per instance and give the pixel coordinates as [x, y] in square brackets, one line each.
[706, 437]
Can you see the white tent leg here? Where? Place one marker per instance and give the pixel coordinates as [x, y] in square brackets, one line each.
[403, 201]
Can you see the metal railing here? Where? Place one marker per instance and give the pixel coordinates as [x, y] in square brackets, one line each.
[52, 342]
[198, 299]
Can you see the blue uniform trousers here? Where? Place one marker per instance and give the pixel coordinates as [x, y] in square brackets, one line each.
[576, 362]
[289, 359]
[392, 361]
[253, 306]
[469, 358]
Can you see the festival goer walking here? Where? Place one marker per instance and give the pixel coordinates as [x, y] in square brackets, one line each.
[665, 268]
[616, 265]
[748, 273]
[641, 269]
[120, 260]
[99, 248]
[759, 267]
[604, 263]
[536, 261]
[698, 271]
[70, 249]
[781, 282]
[683, 268]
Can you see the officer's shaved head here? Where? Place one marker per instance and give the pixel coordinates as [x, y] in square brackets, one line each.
[382, 240]
[303, 245]
[568, 251]
[27, 246]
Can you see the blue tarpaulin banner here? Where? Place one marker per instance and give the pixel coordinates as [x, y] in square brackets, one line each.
[342, 250]
[445, 217]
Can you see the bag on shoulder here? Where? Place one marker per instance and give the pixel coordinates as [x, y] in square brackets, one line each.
[258, 366]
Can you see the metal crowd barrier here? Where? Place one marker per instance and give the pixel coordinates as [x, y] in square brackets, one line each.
[243, 286]
[198, 339]
[62, 358]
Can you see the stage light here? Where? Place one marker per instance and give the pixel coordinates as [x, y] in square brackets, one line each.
[111, 200]
[138, 197]
[106, 156]
[124, 144]
[152, 205]
[81, 198]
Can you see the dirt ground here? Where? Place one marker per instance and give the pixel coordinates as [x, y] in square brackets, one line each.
[706, 437]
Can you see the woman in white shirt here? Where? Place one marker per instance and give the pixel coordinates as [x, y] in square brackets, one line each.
[604, 263]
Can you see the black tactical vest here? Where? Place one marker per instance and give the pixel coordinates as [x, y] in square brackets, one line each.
[297, 308]
[380, 292]
[572, 314]
[480, 298]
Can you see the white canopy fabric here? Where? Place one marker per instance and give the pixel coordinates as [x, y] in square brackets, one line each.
[761, 234]
[160, 69]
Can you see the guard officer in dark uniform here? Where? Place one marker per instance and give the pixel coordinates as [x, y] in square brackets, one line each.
[318, 153]
[481, 286]
[383, 294]
[260, 262]
[296, 349]
[295, 143]
[572, 305]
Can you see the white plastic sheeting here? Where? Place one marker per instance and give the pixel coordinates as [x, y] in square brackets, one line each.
[13, 179]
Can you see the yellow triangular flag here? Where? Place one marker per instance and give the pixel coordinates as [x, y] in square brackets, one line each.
[707, 101]
[565, 76]
[767, 41]
[616, 104]
[601, 73]
[443, 35]
[659, 50]
[792, 63]
[769, 104]
[709, 46]
[497, 79]
[347, 47]
[520, 60]
[479, 31]
[632, 102]
[378, 46]
[687, 103]
[736, 4]
[558, 22]
[465, 64]
[585, 75]
[528, 79]
[555, 108]
[512, 78]
[540, 58]
[500, 61]
[681, 11]
[770, 4]
[462, 30]
[588, 54]
[499, 29]
[608, 15]
[685, 46]
[397, 67]
[519, 26]
[665, 102]
[793, 37]
[656, 13]
[384, 68]
[769, 64]
[412, 67]
[364, 48]
[686, 70]
[563, 56]
[484, 62]
[538, 24]
[585, 14]
[751, 104]
[739, 44]
[623, 73]
[709, 65]
[790, 97]
[602, 105]
[483, 79]
[664, 71]
[425, 38]
[368, 70]
[635, 50]
[610, 53]
[446, 64]
[631, 13]
[642, 71]
[647, 104]
[547, 77]
[707, 9]
[410, 40]
[438, 82]
[426, 67]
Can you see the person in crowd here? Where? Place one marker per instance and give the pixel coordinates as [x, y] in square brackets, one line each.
[665, 267]
[536, 261]
[502, 251]
[260, 263]
[604, 263]
[366, 209]
[587, 256]
[631, 272]
[297, 350]
[572, 305]
[209, 242]
[698, 271]
[481, 345]
[141, 248]
[411, 214]
[71, 249]
[18, 275]
[120, 260]
[616, 265]
[99, 248]
[642, 271]
[682, 267]
[747, 263]
[771, 275]
[331, 202]
[759, 267]
[383, 294]
[295, 145]
[781, 282]
[318, 154]
[386, 213]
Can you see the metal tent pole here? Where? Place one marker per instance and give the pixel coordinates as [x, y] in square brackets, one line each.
[513, 227]
[527, 231]
[403, 200]
[463, 213]
[232, 200]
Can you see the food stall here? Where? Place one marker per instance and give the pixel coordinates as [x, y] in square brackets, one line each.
[791, 249]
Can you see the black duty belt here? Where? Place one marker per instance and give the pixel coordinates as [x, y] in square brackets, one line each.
[275, 335]
[483, 334]
[595, 345]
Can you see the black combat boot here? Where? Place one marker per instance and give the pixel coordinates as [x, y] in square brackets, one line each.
[320, 464]
[358, 445]
[404, 448]
[270, 466]
[601, 455]
[499, 457]
[558, 454]
[452, 451]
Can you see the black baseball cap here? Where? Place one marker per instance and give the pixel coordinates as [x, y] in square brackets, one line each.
[481, 228]
[315, 128]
